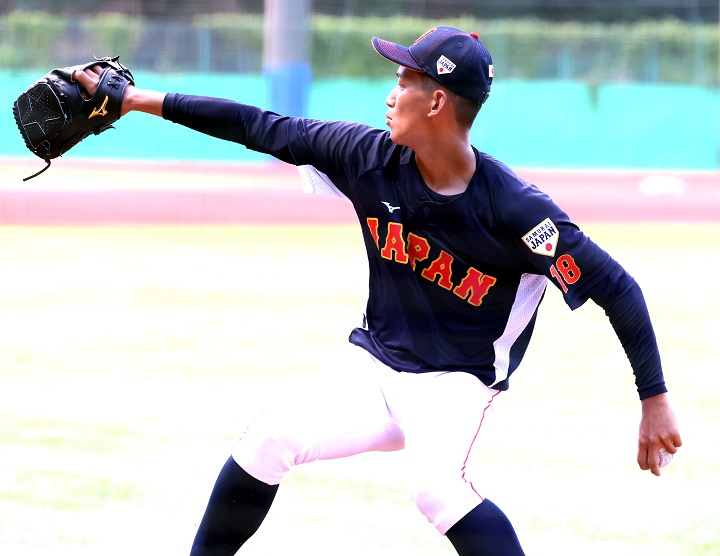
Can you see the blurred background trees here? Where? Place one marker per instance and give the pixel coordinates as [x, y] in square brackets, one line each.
[557, 10]
[655, 41]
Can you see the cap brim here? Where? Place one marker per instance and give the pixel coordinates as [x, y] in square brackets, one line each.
[396, 53]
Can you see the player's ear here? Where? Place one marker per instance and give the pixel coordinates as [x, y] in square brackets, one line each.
[439, 102]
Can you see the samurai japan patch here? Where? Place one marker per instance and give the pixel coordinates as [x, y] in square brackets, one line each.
[543, 238]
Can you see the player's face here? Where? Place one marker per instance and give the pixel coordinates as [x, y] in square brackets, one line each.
[408, 104]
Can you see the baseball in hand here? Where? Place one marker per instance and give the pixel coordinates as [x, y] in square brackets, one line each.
[665, 457]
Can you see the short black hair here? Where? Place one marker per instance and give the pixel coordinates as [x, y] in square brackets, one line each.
[466, 110]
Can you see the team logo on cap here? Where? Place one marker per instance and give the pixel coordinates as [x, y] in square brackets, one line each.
[491, 71]
[445, 65]
[543, 238]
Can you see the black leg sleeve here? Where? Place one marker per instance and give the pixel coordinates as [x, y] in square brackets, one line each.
[238, 505]
[485, 531]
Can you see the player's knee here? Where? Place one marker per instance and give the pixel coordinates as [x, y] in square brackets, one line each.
[266, 456]
[429, 504]
[443, 503]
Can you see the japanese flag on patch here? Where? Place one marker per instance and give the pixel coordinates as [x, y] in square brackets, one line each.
[543, 238]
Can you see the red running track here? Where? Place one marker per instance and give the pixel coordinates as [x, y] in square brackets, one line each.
[586, 195]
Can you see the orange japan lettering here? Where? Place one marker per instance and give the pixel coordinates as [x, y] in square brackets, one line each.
[418, 249]
[474, 286]
[394, 249]
[440, 268]
[373, 227]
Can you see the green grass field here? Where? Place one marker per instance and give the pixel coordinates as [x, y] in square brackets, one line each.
[130, 358]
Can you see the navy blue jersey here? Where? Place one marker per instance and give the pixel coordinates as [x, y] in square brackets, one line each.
[455, 282]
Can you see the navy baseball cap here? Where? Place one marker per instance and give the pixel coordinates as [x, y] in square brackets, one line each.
[454, 58]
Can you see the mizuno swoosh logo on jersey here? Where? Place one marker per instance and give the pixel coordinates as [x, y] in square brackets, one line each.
[390, 208]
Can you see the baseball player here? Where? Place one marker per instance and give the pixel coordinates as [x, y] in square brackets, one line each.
[460, 252]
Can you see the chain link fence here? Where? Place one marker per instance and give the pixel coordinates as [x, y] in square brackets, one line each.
[661, 51]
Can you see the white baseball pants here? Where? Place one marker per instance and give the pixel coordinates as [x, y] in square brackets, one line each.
[366, 406]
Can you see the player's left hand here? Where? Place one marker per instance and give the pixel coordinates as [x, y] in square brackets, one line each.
[658, 429]
[88, 78]
[57, 112]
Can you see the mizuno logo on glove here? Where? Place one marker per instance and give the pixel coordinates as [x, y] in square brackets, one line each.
[100, 111]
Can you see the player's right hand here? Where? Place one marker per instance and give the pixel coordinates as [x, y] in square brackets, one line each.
[658, 430]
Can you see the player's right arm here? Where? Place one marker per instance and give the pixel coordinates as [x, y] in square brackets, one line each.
[582, 270]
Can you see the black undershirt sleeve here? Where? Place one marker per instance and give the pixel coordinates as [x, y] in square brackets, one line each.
[257, 129]
[624, 304]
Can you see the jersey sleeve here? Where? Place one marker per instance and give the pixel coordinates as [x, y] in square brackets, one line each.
[342, 150]
[547, 240]
[581, 270]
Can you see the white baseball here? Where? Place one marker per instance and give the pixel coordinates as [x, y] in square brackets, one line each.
[665, 457]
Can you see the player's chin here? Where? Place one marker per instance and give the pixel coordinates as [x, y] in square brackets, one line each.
[396, 137]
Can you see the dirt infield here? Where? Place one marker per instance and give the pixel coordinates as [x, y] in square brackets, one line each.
[227, 193]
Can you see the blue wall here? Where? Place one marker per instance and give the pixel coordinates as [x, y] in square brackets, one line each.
[550, 124]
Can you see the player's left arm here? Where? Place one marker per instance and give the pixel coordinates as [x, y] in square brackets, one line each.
[134, 99]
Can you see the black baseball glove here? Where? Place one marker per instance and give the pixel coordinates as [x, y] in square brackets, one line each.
[56, 112]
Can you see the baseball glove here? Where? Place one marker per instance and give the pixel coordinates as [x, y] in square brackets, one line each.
[56, 112]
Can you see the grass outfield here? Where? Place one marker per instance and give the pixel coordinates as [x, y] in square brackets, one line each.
[130, 357]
